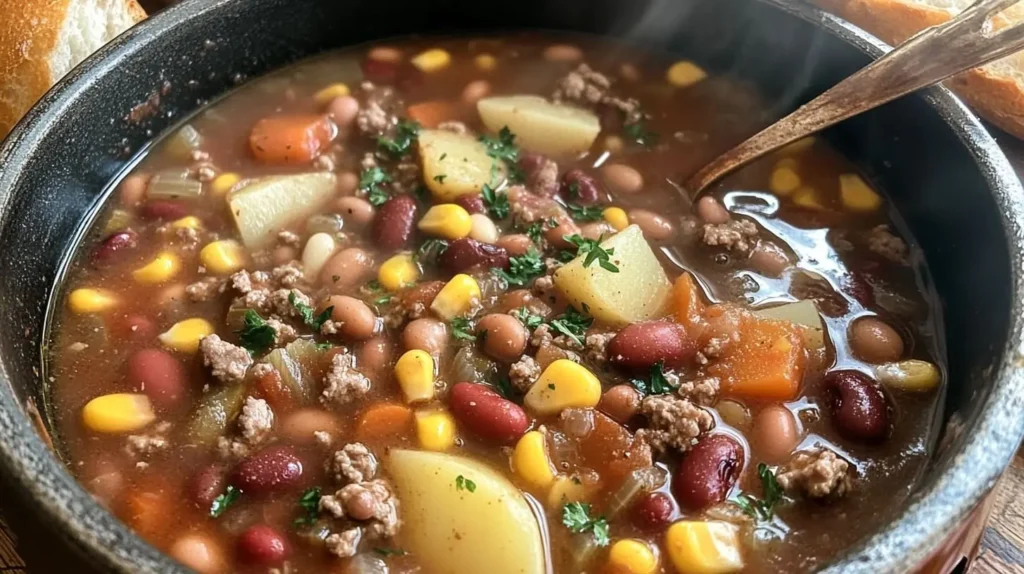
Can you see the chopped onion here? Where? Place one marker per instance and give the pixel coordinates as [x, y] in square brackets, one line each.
[577, 423]
[638, 482]
[172, 184]
[119, 219]
[181, 144]
[582, 549]
[562, 448]
[329, 224]
[469, 365]
[216, 410]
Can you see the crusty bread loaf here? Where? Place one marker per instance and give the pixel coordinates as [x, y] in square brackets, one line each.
[995, 91]
[41, 40]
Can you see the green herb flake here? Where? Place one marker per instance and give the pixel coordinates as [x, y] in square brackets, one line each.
[314, 322]
[762, 509]
[591, 248]
[224, 500]
[440, 178]
[585, 212]
[463, 483]
[656, 383]
[522, 268]
[529, 320]
[310, 503]
[572, 324]
[370, 181]
[387, 552]
[443, 155]
[256, 335]
[576, 517]
[505, 388]
[405, 134]
[462, 328]
[637, 132]
[429, 251]
[496, 202]
[535, 231]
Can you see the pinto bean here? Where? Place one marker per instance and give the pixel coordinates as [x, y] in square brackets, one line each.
[375, 355]
[299, 426]
[653, 511]
[199, 552]
[426, 334]
[357, 320]
[348, 181]
[272, 469]
[769, 259]
[262, 544]
[708, 472]
[710, 211]
[114, 244]
[515, 244]
[622, 179]
[556, 235]
[504, 337]
[158, 374]
[596, 230]
[654, 226]
[462, 254]
[207, 484]
[395, 222]
[874, 341]
[580, 187]
[620, 402]
[475, 90]
[385, 54]
[565, 53]
[346, 269]
[487, 414]
[859, 408]
[133, 189]
[355, 211]
[775, 434]
[135, 327]
[343, 110]
[641, 345]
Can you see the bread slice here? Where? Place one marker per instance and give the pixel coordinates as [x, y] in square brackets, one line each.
[995, 91]
[41, 40]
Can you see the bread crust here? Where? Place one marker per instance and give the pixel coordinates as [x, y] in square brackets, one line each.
[29, 32]
[995, 96]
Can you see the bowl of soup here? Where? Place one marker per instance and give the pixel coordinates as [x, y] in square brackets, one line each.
[289, 293]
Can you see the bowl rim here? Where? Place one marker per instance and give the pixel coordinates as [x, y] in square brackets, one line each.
[914, 535]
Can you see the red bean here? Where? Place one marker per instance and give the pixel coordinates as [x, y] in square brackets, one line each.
[262, 544]
[135, 328]
[653, 511]
[115, 243]
[206, 485]
[641, 345]
[272, 469]
[859, 409]
[487, 414]
[464, 253]
[158, 374]
[395, 222]
[708, 472]
[579, 187]
[380, 71]
[165, 209]
[471, 203]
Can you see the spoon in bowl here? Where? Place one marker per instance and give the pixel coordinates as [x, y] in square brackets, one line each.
[934, 54]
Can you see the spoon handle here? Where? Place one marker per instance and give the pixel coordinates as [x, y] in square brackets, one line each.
[967, 41]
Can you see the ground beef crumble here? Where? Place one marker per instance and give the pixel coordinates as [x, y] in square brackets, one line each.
[541, 175]
[673, 422]
[256, 421]
[596, 348]
[523, 373]
[206, 289]
[227, 362]
[817, 473]
[352, 463]
[737, 235]
[155, 439]
[344, 544]
[883, 242]
[701, 390]
[343, 383]
[283, 332]
[371, 506]
[587, 87]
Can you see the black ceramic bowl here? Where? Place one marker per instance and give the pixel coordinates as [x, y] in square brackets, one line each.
[943, 171]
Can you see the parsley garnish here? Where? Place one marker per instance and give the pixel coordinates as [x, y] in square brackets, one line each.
[529, 320]
[576, 517]
[223, 501]
[535, 231]
[374, 289]
[505, 388]
[463, 483]
[762, 508]
[385, 552]
[572, 324]
[522, 268]
[462, 328]
[443, 155]
[310, 502]
[429, 251]
[312, 321]
[594, 252]
[585, 212]
[405, 133]
[504, 148]
[370, 180]
[440, 178]
[495, 201]
[638, 132]
[656, 384]
[256, 335]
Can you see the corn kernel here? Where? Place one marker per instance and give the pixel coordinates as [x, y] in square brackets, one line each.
[432, 60]
[684, 73]
[118, 413]
[185, 335]
[163, 267]
[807, 197]
[415, 373]
[616, 217]
[856, 194]
[223, 257]
[446, 220]
[223, 183]
[332, 91]
[566, 489]
[398, 272]
[531, 463]
[482, 229]
[435, 430]
[629, 556]
[910, 375]
[485, 62]
[82, 301]
[456, 298]
[188, 222]
[564, 384]
[799, 146]
[697, 547]
[784, 181]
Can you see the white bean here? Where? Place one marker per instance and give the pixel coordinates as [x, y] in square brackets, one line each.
[319, 249]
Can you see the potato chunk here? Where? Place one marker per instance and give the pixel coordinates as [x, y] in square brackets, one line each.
[456, 164]
[460, 514]
[541, 126]
[264, 206]
[804, 314]
[638, 291]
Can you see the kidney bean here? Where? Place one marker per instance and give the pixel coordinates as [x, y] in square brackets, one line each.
[158, 374]
[487, 414]
[471, 203]
[206, 485]
[653, 511]
[710, 211]
[357, 320]
[395, 222]
[622, 179]
[465, 253]
[620, 402]
[859, 409]
[164, 209]
[380, 71]
[654, 226]
[262, 544]
[346, 269]
[505, 338]
[641, 345]
[579, 187]
[515, 244]
[426, 334]
[272, 469]
[115, 243]
[775, 434]
[874, 341]
[708, 472]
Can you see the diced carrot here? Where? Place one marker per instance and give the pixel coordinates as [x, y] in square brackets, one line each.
[147, 508]
[384, 420]
[612, 452]
[686, 296]
[431, 113]
[290, 139]
[767, 362]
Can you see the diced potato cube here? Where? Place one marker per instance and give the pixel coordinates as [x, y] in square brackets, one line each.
[456, 164]
[539, 125]
[856, 194]
[638, 291]
[265, 206]
[803, 313]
